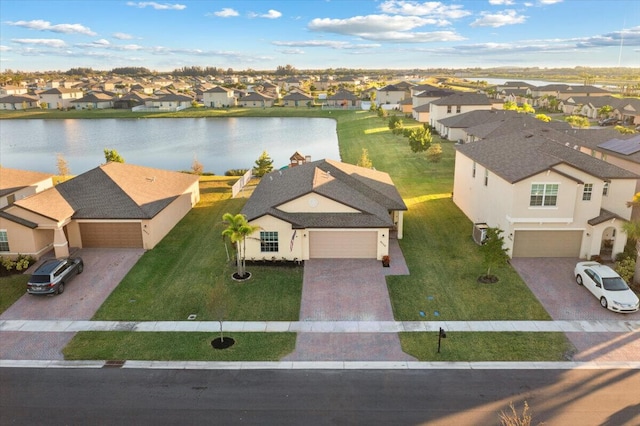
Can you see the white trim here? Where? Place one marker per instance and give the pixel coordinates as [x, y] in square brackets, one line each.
[110, 220]
[539, 219]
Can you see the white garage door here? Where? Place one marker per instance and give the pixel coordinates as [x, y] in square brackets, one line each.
[343, 244]
[547, 243]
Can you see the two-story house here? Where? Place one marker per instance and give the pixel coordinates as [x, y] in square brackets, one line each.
[550, 199]
[219, 97]
[455, 104]
[60, 97]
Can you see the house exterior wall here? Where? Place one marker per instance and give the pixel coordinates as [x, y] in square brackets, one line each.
[298, 251]
[154, 230]
[315, 203]
[62, 100]
[389, 97]
[218, 100]
[438, 112]
[26, 241]
[16, 106]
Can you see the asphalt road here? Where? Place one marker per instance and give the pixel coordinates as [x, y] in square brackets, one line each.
[112, 396]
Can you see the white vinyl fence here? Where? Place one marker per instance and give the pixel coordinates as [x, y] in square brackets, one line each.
[239, 185]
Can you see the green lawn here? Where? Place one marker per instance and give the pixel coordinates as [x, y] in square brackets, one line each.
[126, 345]
[175, 279]
[12, 288]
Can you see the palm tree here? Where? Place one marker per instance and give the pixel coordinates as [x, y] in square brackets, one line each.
[632, 229]
[237, 231]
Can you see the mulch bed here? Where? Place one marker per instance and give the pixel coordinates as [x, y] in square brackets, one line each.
[219, 343]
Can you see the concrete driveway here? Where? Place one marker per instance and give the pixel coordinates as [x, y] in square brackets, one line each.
[551, 280]
[103, 271]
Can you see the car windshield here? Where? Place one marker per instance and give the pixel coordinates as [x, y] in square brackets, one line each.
[614, 284]
[39, 279]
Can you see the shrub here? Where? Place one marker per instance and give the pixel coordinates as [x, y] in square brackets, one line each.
[236, 172]
[625, 268]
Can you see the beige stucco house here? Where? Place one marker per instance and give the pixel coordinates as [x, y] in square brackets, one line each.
[60, 97]
[18, 102]
[323, 209]
[297, 99]
[17, 184]
[457, 103]
[550, 199]
[114, 205]
[219, 97]
[256, 100]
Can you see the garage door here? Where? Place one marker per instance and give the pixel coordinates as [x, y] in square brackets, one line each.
[343, 244]
[547, 243]
[111, 234]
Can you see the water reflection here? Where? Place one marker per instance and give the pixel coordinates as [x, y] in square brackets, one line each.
[219, 144]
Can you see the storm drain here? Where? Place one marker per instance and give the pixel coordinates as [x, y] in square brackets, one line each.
[114, 363]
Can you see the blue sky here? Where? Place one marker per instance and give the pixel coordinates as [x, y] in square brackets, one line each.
[317, 34]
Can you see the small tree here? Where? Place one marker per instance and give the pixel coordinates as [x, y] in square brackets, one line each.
[605, 111]
[543, 117]
[510, 106]
[434, 153]
[217, 302]
[196, 167]
[577, 121]
[364, 160]
[395, 125]
[632, 229]
[526, 108]
[493, 251]
[264, 165]
[111, 155]
[420, 139]
[63, 166]
[237, 231]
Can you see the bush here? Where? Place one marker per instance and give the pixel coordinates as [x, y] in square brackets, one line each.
[236, 172]
[17, 265]
[625, 268]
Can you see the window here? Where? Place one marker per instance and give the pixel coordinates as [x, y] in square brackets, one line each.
[448, 109]
[605, 189]
[543, 194]
[473, 170]
[4, 240]
[587, 191]
[486, 177]
[268, 241]
[458, 109]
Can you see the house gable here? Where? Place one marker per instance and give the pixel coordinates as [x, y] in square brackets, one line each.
[315, 203]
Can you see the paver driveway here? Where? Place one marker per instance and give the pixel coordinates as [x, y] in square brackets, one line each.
[551, 280]
[103, 271]
[347, 290]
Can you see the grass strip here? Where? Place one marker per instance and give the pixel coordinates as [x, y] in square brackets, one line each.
[161, 346]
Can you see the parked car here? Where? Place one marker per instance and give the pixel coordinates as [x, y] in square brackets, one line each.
[609, 122]
[607, 286]
[53, 275]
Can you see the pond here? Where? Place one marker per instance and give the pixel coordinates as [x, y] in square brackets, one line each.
[220, 144]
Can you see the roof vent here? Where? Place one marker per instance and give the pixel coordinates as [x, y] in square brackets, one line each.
[151, 179]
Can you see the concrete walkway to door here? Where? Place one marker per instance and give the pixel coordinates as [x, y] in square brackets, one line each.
[346, 290]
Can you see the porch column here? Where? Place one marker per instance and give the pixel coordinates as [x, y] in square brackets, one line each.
[60, 243]
[400, 223]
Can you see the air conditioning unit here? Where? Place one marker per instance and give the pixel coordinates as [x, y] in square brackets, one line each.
[479, 232]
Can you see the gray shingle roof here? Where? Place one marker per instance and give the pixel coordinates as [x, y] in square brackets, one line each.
[473, 118]
[520, 155]
[370, 192]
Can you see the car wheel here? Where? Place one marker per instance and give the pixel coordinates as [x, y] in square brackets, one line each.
[579, 279]
[603, 302]
[60, 288]
[80, 268]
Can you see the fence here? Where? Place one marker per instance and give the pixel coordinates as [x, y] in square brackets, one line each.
[239, 185]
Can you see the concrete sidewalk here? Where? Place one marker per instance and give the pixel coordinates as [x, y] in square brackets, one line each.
[63, 326]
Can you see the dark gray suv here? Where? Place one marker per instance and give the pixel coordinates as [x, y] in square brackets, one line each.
[53, 274]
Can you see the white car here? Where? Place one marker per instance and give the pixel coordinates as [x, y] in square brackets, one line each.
[607, 286]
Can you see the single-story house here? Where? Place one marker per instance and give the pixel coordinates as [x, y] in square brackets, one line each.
[19, 102]
[344, 99]
[17, 184]
[95, 100]
[549, 199]
[297, 99]
[113, 205]
[323, 209]
[256, 100]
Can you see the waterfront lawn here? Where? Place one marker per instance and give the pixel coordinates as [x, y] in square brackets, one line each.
[161, 346]
[176, 278]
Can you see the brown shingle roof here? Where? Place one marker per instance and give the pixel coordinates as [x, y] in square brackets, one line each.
[12, 180]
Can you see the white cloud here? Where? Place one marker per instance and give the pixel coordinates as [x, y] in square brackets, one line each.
[47, 42]
[42, 25]
[122, 36]
[550, 1]
[157, 6]
[434, 9]
[105, 44]
[271, 14]
[501, 2]
[325, 43]
[4, 48]
[500, 19]
[227, 12]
